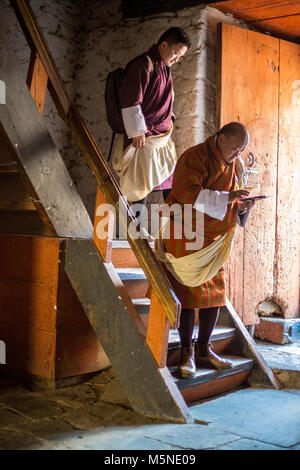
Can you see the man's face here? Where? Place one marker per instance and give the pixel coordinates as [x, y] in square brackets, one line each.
[171, 53]
[231, 147]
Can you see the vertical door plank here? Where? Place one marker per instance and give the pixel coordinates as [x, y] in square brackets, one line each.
[248, 92]
[287, 263]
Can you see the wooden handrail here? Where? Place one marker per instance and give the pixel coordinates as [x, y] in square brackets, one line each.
[105, 179]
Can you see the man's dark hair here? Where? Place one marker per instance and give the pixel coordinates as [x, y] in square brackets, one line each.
[175, 35]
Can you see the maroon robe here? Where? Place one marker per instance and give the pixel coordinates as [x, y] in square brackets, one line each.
[153, 91]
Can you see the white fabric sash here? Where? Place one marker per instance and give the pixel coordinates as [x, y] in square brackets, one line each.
[141, 170]
[195, 269]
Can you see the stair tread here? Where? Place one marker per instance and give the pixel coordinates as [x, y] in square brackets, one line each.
[206, 375]
[219, 332]
[124, 244]
[131, 273]
[144, 301]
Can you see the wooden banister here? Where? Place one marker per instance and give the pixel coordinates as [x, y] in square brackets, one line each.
[105, 179]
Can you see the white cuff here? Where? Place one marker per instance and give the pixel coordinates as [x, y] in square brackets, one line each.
[212, 203]
[134, 121]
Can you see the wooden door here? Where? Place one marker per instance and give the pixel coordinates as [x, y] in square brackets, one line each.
[287, 247]
[249, 91]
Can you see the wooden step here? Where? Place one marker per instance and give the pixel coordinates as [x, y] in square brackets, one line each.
[221, 338]
[135, 281]
[8, 168]
[123, 256]
[13, 194]
[211, 382]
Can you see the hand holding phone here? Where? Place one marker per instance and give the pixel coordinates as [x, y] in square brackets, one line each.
[254, 198]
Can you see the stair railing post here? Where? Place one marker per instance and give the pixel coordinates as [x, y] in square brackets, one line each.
[104, 221]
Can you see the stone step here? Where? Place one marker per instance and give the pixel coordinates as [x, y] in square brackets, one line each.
[210, 382]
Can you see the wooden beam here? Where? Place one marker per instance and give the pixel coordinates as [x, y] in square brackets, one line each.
[250, 348]
[40, 162]
[150, 390]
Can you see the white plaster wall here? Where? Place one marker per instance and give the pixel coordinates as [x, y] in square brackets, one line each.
[61, 22]
[89, 39]
[112, 43]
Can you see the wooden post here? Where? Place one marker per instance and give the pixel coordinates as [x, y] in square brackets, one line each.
[37, 81]
[158, 331]
[103, 239]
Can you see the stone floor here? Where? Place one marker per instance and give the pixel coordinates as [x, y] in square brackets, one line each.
[284, 360]
[97, 416]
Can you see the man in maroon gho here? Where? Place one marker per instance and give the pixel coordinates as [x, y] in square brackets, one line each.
[146, 97]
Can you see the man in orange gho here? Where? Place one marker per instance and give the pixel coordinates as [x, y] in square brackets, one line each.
[209, 177]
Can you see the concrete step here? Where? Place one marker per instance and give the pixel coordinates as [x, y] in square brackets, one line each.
[210, 382]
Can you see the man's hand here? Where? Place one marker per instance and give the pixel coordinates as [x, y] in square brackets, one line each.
[139, 141]
[237, 195]
[245, 205]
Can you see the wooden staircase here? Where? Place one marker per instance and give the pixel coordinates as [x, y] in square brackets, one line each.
[208, 382]
[108, 278]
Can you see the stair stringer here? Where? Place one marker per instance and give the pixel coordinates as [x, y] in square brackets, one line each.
[262, 375]
[150, 389]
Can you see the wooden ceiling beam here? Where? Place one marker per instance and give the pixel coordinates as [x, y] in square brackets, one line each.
[278, 17]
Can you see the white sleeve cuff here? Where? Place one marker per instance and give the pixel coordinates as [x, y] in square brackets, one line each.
[212, 203]
[134, 121]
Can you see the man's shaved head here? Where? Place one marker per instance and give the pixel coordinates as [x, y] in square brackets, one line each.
[232, 139]
[235, 129]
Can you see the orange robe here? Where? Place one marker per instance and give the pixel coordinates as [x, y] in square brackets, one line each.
[201, 167]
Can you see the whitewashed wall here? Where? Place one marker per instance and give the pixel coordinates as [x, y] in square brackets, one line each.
[89, 39]
[112, 43]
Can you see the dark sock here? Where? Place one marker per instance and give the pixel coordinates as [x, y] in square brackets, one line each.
[186, 328]
[207, 320]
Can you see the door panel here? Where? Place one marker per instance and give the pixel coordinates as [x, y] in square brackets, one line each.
[248, 92]
[287, 263]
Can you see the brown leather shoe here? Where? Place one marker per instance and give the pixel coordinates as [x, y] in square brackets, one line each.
[187, 367]
[205, 355]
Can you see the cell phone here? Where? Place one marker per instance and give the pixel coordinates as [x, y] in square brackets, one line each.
[254, 198]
